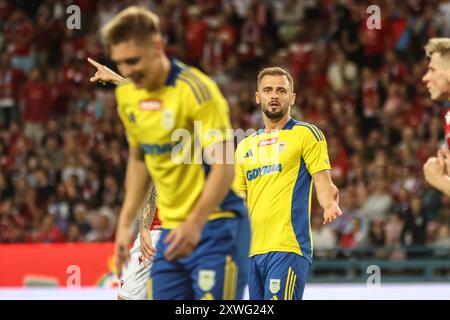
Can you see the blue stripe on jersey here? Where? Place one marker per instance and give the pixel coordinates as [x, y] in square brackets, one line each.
[231, 202]
[300, 210]
[303, 124]
[319, 133]
[175, 70]
[314, 130]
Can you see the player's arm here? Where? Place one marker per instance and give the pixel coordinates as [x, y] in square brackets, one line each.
[147, 215]
[184, 239]
[327, 194]
[104, 74]
[137, 181]
[317, 162]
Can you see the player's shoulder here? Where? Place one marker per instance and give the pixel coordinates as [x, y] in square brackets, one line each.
[250, 138]
[125, 88]
[194, 81]
[307, 129]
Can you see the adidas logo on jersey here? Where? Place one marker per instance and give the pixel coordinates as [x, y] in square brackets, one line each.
[248, 154]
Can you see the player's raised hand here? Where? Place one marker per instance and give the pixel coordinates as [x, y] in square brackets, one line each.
[104, 74]
[123, 240]
[182, 241]
[331, 213]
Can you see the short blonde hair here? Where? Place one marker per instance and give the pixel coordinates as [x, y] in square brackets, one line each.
[439, 45]
[131, 23]
[275, 71]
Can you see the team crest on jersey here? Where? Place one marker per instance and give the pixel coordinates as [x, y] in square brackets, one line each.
[206, 279]
[151, 105]
[274, 285]
[282, 146]
[168, 119]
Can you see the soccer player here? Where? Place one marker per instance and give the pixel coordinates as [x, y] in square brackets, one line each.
[204, 240]
[437, 80]
[276, 167]
[134, 280]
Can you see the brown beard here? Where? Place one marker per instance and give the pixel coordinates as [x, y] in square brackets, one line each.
[274, 115]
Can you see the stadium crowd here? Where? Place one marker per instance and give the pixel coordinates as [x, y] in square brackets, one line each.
[63, 150]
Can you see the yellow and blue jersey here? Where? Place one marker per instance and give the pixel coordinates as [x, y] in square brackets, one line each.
[275, 170]
[162, 124]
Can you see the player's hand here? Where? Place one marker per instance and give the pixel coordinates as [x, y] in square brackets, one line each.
[434, 170]
[331, 213]
[147, 249]
[103, 74]
[122, 254]
[444, 159]
[182, 240]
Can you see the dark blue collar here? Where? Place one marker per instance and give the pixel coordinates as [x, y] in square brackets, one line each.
[288, 126]
[175, 70]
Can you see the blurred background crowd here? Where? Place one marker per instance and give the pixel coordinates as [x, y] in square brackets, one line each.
[63, 151]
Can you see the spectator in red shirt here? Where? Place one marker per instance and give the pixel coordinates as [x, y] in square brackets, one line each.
[196, 35]
[18, 35]
[37, 106]
[48, 231]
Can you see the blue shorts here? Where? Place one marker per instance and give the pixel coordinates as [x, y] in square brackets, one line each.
[278, 276]
[216, 270]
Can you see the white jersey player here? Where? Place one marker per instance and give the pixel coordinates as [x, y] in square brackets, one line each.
[135, 278]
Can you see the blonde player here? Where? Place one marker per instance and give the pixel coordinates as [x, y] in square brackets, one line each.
[135, 277]
[203, 247]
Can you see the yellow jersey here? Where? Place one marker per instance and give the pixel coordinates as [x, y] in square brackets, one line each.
[172, 127]
[275, 170]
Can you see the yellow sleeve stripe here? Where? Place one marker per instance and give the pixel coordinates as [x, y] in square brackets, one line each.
[230, 279]
[197, 96]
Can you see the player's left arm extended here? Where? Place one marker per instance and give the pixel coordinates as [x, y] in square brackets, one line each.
[327, 194]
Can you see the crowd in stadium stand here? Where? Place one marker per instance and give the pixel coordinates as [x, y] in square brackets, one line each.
[63, 151]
